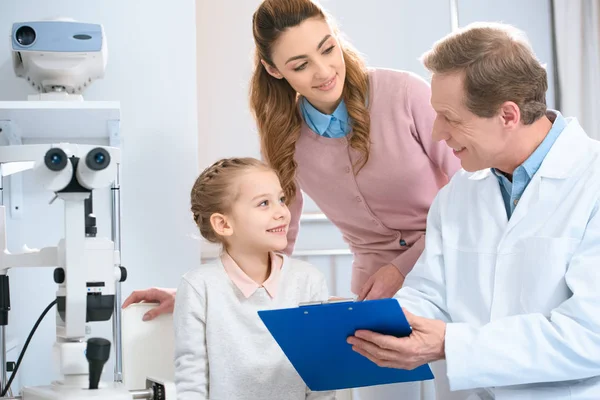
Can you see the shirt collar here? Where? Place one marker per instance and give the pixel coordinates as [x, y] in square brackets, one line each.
[533, 163]
[321, 121]
[245, 284]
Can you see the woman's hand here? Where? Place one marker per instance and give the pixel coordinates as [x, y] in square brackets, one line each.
[382, 284]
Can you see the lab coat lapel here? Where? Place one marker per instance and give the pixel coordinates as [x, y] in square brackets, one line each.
[535, 202]
[491, 204]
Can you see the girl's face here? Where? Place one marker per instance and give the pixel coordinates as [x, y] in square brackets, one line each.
[309, 58]
[259, 218]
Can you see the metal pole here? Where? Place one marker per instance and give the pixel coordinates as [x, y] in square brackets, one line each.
[3, 376]
[454, 15]
[116, 238]
[3, 355]
[556, 76]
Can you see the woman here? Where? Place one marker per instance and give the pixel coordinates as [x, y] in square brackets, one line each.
[356, 140]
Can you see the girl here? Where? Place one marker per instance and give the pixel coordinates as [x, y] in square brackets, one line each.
[222, 348]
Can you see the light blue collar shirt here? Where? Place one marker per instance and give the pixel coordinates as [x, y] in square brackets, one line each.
[512, 191]
[336, 125]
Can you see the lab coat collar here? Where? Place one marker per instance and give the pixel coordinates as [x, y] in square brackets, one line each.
[481, 175]
[569, 151]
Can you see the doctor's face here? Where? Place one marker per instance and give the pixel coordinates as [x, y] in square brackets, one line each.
[309, 58]
[478, 142]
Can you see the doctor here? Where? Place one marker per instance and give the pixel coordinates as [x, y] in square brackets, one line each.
[507, 290]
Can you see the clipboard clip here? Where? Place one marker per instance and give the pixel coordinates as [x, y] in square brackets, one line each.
[332, 301]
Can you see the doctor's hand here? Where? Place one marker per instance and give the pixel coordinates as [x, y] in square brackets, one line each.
[382, 284]
[164, 297]
[424, 345]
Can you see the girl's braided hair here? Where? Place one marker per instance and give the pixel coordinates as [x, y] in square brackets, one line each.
[213, 192]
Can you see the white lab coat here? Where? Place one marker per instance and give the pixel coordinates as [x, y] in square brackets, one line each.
[521, 296]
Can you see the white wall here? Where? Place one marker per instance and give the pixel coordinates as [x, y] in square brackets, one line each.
[152, 72]
[224, 60]
[389, 33]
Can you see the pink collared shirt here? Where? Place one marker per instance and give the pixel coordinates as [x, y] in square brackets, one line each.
[248, 286]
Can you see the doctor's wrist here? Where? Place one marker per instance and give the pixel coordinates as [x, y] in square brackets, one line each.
[440, 351]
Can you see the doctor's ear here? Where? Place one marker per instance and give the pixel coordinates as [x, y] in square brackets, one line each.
[510, 114]
[271, 70]
[221, 225]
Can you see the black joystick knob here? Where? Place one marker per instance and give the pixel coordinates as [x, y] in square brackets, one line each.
[97, 354]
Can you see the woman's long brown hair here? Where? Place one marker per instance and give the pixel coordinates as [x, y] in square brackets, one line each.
[274, 102]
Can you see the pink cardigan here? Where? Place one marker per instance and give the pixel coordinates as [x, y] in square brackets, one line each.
[382, 211]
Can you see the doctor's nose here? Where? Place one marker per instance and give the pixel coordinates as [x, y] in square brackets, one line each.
[439, 131]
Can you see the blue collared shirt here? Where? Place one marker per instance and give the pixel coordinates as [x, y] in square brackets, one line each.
[336, 125]
[512, 191]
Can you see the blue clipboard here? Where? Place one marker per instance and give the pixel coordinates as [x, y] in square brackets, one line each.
[313, 337]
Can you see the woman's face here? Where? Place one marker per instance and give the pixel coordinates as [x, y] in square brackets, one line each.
[309, 58]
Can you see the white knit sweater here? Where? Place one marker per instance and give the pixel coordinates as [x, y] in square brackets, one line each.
[223, 351]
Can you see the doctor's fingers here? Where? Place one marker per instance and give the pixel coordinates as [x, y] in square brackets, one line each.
[402, 345]
[379, 362]
[416, 322]
[372, 351]
[388, 358]
[386, 351]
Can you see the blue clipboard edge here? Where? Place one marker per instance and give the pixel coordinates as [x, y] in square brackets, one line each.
[397, 326]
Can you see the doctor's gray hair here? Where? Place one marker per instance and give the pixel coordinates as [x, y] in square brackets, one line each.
[498, 64]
